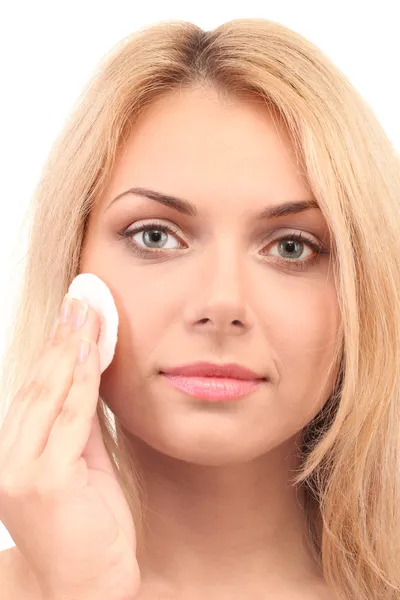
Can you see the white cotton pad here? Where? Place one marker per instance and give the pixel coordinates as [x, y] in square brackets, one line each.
[89, 288]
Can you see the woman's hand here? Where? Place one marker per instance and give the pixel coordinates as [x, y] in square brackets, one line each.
[59, 497]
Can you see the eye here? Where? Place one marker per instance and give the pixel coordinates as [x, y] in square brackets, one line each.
[293, 246]
[290, 247]
[152, 239]
[159, 237]
[148, 237]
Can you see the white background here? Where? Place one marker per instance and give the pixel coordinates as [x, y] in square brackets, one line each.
[49, 49]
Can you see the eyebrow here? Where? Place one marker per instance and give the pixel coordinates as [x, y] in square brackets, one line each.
[187, 208]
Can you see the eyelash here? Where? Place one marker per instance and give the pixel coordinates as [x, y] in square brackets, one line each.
[300, 264]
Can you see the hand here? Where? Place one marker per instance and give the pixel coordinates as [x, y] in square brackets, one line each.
[59, 496]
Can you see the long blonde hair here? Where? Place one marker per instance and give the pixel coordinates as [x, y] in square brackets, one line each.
[350, 467]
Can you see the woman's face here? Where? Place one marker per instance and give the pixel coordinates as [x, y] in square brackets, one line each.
[222, 286]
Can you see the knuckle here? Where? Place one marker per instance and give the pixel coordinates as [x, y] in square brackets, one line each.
[45, 349]
[18, 400]
[39, 387]
[44, 481]
[22, 392]
[14, 486]
[32, 486]
[59, 338]
[48, 486]
[81, 378]
[69, 414]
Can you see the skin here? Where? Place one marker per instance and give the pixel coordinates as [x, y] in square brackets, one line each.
[222, 517]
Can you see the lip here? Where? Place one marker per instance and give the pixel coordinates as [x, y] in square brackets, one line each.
[214, 382]
[207, 369]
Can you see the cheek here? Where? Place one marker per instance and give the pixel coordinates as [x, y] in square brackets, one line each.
[147, 309]
[300, 319]
[303, 341]
[153, 301]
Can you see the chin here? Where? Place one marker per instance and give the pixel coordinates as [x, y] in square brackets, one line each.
[208, 458]
[206, 449]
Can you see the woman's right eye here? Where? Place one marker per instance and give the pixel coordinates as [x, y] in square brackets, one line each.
[154, 238]
[149, 238]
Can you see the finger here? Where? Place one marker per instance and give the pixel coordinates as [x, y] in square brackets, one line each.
[95, 453]
[50, 384]
[72, 427]
[27, 392]
[17, 405]
[55, 381]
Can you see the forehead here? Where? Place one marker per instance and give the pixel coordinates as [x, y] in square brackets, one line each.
[195, 142]
[200, 123]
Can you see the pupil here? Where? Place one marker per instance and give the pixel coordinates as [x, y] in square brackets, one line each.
[154, 237]
[290, 247]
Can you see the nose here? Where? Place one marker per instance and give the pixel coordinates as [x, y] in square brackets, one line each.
[218, 303]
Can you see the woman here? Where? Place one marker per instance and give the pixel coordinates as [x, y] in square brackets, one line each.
[242, 203]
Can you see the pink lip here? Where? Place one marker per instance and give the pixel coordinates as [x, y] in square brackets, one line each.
[212, 381]
[213, 388]
[207, 369]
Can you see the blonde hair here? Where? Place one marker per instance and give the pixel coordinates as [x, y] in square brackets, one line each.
[350, 453]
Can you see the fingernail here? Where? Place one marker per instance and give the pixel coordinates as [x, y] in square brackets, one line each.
[66, 309]
[83, 350]
[54, 329]
[80, 315]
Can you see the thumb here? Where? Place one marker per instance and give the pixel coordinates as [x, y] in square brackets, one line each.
[95, 453]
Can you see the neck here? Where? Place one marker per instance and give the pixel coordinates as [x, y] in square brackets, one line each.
[223, 523]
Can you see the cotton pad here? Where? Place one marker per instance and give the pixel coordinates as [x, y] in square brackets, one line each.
[89, 288]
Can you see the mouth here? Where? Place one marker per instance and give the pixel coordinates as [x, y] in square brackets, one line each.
[214, 382]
